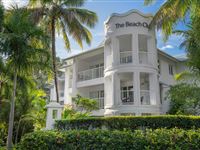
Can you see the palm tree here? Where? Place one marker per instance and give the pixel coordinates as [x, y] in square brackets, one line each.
[67, 18]
[23, 46]
[172, 11]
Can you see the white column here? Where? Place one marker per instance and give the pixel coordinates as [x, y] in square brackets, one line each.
[113, 89]
[154, 89]
[115, 51]
[54, 112]
[117, 90]
[135, 48]
[66, 88]
[110, 109]
[74, 78]
[136, 82]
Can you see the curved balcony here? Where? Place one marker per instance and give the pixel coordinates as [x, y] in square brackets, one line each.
[146, 58]
[125, 57]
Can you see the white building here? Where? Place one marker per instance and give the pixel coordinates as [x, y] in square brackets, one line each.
[126, 74]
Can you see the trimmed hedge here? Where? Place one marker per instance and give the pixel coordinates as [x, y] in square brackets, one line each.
[130, 122]
[159, 139]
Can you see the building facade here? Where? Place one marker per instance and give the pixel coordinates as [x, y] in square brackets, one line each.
[126, 74]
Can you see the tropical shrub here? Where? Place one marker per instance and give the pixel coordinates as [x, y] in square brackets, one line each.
[82, 108]
[162, 139]
[184, 99]
[129, 122]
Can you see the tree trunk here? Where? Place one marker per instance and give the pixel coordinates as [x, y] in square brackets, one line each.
[54, 57]
[11, 117]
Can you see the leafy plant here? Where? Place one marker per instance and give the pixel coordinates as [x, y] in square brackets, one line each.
[184, 99]
[82, 108]
[129, 122]
[159, 139]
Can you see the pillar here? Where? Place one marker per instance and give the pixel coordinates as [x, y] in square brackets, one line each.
[54, 112]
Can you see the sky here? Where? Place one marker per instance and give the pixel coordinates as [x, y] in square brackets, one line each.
[103, 9]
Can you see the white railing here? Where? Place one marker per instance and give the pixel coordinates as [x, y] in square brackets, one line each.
[125, 57]
[100, 101]
[91, 74]
[145, 97]
[146, 58]
[127, 97]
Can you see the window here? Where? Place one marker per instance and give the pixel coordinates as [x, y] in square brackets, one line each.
[98, 95]
[127, 94]
[142, 43]
[127, 114]
[171, 70]
[146, 114]
[55, 114]
[159, 71]
[125, 48]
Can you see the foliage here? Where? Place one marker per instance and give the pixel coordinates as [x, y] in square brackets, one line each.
[82, 109]
[85, 104]
[67, 19]
[172, 12]
[24, 48]
[159, 139]
[184, 99]
[129, 122]
[3, 133]
[70, 113]
[192, 44]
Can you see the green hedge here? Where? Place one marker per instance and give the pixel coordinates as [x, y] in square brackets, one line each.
[159, 139]
[130, 122]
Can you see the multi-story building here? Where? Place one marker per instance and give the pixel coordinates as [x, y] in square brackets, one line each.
[126, 74]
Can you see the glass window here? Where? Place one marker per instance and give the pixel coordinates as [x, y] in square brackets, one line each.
[142, 43]
[55, 114]
[144, 81]
[171, 72]
[159, 71]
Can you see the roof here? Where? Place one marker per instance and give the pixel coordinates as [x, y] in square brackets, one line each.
[182, 57]
[176, 58]
[126, 14]
[85, 52]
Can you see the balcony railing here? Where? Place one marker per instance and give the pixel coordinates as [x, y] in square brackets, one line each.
[145, 97]
[145, 58]
[127, 97]
[91, 74]
[100, 101]
[125, 57]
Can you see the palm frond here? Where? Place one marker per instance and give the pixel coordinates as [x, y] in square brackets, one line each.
[169, 14]
[65, 37]
[83, 15]
[72, 3]
[148, 2]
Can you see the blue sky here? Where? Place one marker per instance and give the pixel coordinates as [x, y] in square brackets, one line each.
[104, 8]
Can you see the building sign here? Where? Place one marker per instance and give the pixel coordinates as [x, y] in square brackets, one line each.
[132, 24]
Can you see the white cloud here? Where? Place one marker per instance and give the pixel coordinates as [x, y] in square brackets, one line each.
[167, 47]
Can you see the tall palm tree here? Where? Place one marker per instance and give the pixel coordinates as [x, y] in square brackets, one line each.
[25, 48]
[172, 11]
[67, 18]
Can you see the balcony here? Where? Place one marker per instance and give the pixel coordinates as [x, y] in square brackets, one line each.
[125, 57]
[91, 74]
[127, 97]
[145, 97]
[145, 58]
